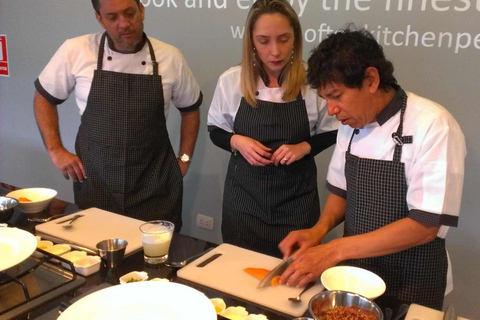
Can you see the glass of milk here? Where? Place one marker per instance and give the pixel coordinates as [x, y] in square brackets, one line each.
[156, 238]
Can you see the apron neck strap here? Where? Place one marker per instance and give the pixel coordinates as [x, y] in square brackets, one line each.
[102, 49]
[396, 136]
[100, 52]
[152, 56]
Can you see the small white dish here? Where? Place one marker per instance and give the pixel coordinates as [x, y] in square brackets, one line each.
[88, 265]
[58, 250]
[44, 245]
[134, 276]
[353, 279]
[73, 256]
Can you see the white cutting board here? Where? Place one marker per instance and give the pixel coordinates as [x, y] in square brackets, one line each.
[95, 225]
[418, 312]
[226, 274]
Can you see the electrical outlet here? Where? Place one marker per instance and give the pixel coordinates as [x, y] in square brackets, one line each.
[205, 222]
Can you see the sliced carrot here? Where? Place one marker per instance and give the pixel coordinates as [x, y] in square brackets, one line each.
[23, 199]
[258, 273]
[274, 281]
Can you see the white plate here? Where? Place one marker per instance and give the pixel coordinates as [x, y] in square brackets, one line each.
[15, 246]
[143, 300]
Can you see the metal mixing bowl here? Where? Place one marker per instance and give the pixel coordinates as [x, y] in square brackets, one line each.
[6, 208]
[327, 300]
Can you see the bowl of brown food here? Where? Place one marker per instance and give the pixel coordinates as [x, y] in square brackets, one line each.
[337, 305]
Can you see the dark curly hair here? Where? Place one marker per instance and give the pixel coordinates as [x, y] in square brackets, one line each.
[343, 58]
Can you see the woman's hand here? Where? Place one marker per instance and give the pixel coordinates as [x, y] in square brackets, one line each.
[253, 151]
[289, 153]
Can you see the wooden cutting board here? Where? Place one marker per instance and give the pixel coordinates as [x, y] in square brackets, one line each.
[95, 225]
[418, 312]
[226, 274]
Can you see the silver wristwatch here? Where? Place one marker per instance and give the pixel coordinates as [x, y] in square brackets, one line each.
[185, 158]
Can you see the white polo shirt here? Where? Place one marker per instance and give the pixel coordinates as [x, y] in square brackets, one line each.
[228, 95]
[72, 67]
[434, 162]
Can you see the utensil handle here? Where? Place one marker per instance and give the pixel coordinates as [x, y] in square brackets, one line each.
[41, 220]
[74, 218]
[308, 286]
[71, 219]
[195, 256]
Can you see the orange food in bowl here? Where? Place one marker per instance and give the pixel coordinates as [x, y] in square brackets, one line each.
[23, 199]
[258, 273]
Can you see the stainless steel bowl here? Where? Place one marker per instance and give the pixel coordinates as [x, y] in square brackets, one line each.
[6, 208]
[327, 300]
[111, 251]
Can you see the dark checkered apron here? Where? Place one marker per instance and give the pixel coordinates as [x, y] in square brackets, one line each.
[124, 146]
[376, 196]
[261, 205]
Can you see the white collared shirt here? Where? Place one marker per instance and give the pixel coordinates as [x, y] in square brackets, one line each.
[228, 95]
[434, 162]
[72, 67]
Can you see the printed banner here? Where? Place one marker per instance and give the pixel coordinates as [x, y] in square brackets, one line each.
[3, 56]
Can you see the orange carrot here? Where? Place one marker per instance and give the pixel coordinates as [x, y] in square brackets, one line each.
[258, 273]
[23, 199]
[274, 281]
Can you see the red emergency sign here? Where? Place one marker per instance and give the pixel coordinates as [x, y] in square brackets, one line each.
[3, 56]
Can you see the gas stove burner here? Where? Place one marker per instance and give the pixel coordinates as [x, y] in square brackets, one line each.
[32, 283]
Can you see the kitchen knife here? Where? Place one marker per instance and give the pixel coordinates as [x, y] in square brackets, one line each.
[450, 314]
[277, 271]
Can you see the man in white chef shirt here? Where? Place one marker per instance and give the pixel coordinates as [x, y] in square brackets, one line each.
[396, 177]
[124, 84]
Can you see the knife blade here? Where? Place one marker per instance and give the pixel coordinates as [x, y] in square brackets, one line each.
[277, 271]
[450, 313]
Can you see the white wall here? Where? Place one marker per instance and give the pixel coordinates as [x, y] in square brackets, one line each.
[446, 73]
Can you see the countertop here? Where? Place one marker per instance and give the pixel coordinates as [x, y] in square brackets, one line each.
[182, 247]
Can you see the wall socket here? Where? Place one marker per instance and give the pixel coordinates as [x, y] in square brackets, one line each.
[205, 222]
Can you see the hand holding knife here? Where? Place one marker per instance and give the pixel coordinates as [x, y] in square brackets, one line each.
[277, 271]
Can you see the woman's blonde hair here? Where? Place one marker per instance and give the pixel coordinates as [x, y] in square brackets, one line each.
[293, 74]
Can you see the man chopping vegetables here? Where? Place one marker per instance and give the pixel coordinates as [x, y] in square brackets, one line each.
[396, 177]
[124, 83]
